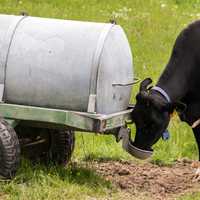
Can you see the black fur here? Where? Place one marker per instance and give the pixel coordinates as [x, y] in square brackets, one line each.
[181, 80]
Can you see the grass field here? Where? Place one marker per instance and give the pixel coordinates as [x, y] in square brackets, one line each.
[152, 27]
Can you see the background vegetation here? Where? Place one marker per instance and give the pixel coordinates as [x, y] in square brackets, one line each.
[152, 27]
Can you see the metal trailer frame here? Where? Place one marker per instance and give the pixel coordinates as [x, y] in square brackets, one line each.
[65, 120]
[56, 118]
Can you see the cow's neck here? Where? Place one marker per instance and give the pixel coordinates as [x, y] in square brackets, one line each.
[176, 82]
[175, 91]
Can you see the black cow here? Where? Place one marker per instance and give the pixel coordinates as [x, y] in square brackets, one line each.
[178, 88]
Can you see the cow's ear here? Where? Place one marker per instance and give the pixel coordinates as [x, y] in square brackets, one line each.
[144, 84]
[178, 106]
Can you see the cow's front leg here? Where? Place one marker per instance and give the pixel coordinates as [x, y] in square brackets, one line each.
[196, 164]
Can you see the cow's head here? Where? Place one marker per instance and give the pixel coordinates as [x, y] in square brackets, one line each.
[151, 116]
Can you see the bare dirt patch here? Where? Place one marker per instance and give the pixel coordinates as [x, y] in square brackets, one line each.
[157, 182]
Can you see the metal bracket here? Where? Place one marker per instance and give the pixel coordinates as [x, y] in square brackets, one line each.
[1, 92]
[127, 144]
[92, 103]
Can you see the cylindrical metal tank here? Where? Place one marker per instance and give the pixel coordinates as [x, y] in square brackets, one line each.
[80, 66]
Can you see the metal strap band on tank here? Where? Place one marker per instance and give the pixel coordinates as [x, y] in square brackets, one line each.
[95, 67]
[8, 41]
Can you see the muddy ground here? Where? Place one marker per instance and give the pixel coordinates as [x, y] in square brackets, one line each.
[155, 182]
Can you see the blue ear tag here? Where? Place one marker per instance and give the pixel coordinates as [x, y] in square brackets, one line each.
[165, 135]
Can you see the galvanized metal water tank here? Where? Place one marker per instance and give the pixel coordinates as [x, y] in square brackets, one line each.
[64, 64]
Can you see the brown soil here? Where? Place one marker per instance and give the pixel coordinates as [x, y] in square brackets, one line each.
[157, 182]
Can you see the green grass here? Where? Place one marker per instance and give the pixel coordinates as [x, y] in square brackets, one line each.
[152, 27]
[191, 196]
[53, 182]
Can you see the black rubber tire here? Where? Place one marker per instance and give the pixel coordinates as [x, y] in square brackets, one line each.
[9, 150]
[62, 146]
[57, 147]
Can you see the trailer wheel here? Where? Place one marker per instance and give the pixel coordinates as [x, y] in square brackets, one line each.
[42, 144]
[9, 150]
[62, 146]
